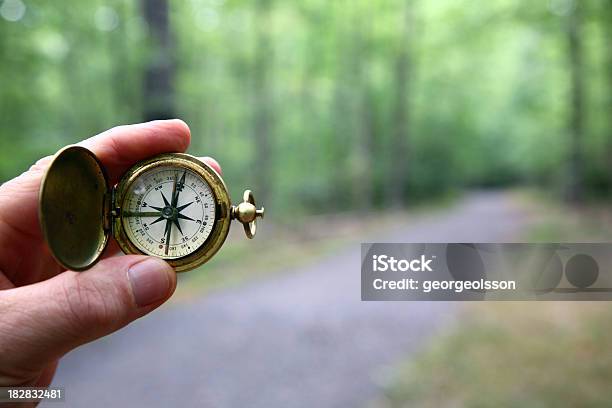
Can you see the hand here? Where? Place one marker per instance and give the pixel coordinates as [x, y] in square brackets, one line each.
[46, 312]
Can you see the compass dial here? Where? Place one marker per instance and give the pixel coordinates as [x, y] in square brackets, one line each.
[168, 212]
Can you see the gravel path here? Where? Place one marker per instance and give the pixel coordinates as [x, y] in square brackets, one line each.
[299, 339]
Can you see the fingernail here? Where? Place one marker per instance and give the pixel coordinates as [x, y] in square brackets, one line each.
[150, 281]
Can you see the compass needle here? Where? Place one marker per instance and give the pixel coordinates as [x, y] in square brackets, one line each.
[182, 207]
[166, 203]
[158, 220]
[178, 225]
[175, 191]
[167, 232]
[184, 217]
[169, 212]
[141, 213]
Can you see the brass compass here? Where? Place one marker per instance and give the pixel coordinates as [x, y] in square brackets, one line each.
[172, 206]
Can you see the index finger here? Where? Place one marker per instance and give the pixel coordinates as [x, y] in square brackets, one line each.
[122, 146]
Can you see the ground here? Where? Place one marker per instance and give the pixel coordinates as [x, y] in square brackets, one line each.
[301, 338]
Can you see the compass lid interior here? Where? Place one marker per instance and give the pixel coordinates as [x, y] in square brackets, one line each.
[71, 208]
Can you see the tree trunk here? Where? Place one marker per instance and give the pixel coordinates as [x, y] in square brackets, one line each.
[262, 101]
[362, 170]
[400, 145]
[607, 32]
[575, 189]
[126, 94]
[158, 92]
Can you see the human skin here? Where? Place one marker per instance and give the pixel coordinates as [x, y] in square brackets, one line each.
[46, 311]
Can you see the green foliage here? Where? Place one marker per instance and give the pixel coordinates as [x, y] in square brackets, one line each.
[485, 101]
[513, 355]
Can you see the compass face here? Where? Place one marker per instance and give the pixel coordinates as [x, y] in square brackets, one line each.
[168, 212]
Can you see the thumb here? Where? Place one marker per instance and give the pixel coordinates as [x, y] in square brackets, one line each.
[41, 322]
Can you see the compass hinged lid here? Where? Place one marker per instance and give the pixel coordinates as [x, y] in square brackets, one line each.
[72, 208]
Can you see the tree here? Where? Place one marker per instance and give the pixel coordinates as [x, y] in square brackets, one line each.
[362, 170]
[398, 178]
[577, 98]
[262, 99]
[606, 24]
[158, 89]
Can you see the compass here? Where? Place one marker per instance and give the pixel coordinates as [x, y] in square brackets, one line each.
[172, 206]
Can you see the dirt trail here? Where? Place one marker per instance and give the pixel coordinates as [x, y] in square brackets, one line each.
[300, 339]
